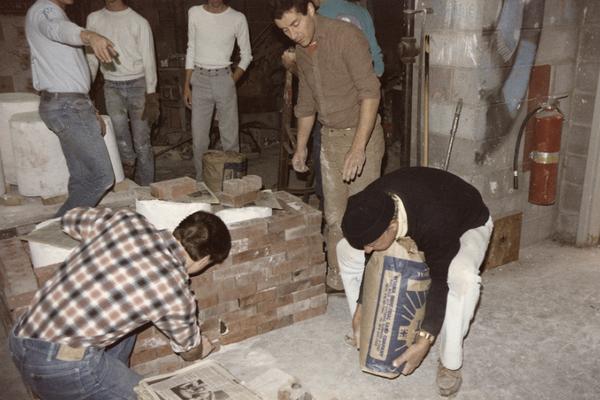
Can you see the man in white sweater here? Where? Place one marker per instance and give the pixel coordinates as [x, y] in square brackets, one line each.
[61, 74]
[213, 29]
[129, 85]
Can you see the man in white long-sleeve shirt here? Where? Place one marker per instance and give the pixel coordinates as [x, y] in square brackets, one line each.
[129, 85]
[213, 29]
[61, 74]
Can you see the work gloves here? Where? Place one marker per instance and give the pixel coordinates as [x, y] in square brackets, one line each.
[151, 109]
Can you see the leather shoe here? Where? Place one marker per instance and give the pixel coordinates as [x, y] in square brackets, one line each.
[448, 381]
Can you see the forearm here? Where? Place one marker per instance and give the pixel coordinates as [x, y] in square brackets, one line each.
[188, 78]
[366, 122]
[305, 125]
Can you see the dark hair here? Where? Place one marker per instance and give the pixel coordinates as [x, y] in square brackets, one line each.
[204, 234]
[280, 7]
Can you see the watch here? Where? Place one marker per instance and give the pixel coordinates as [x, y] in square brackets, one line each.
[428, 336]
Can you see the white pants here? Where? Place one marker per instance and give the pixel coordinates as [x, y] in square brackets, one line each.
[463, 287]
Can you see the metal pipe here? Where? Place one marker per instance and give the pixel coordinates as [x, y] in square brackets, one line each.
[453, 132]
[425, 52]
[406, 87]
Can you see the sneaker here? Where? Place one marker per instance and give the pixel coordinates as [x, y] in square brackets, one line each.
[448, 381]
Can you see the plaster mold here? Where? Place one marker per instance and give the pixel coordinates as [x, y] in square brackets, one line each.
[10, 104]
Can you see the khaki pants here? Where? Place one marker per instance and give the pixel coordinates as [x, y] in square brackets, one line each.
[335, 143]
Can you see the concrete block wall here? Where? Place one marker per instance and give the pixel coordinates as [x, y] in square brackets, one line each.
[465, 63]
[582, 101]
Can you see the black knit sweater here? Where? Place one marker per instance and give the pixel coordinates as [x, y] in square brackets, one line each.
[440, 207]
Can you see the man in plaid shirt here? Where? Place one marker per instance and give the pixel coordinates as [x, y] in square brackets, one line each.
[75, 339]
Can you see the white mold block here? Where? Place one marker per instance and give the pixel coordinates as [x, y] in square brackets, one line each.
[10, 104]
[168, 214]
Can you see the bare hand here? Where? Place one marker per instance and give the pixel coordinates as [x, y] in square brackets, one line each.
[187, 96]
[299, 160]
[199, 352]
[103, 48]
[353, 164]
[413, 356]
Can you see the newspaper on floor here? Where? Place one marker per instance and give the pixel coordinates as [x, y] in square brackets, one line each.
[204, 380]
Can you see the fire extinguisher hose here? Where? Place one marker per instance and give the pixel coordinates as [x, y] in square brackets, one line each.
[518, 145]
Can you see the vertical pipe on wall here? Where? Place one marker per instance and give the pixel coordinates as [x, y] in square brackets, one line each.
[406, 94]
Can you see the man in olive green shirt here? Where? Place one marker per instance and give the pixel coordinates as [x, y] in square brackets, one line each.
[337, 80]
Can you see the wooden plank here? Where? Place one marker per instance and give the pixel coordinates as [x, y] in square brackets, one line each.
[505, 242]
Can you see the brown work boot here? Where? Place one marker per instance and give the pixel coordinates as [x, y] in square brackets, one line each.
[129, 170]
[448, 380]
[334, 283]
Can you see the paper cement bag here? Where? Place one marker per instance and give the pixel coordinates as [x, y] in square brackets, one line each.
[218, 166]
[395, 290]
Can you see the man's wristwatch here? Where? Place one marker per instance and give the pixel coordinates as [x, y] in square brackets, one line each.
[428, 336]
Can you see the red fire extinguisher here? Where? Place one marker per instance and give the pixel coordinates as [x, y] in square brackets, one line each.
[545, 154]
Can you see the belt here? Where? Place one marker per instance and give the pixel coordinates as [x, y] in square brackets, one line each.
[63, 95]
[213, 71]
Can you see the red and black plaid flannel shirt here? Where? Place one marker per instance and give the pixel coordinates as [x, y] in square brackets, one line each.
[124, 274]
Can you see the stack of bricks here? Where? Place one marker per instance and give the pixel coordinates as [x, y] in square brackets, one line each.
[240, 191]
[274, 277]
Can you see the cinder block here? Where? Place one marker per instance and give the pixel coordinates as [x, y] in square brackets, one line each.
[578, 140]
[173, 188]
[586, 76]
[583, 108]
[574, 169]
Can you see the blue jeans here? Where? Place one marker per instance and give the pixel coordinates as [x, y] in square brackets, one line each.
[100, 374]
[72, 117]
[125, 102]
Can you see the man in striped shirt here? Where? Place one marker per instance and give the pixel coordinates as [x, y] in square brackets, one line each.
[75, 338]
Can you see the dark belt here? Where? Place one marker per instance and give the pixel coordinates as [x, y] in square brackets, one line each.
[63, 95]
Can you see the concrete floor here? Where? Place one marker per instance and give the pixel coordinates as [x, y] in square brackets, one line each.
[535, 335]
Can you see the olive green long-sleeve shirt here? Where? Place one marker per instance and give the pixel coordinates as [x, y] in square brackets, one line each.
[335, 75]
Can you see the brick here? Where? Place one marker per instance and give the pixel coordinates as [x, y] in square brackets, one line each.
[246, 229]
[50, 201]
[293, 308]
[219, 309]
[295, 232]
[240, 314]
[250, 255]
[44, 273]
[238, 292]
[310, 313]
[173, 188]
[308, 293]
[249, 279]
[285, 220]
[314, 270]
[267, 295]
[235, 337]
[234, 187]
[292, 287]
[237, 200]
[318, 300]
[273, 281]
[142, 357]
[294, 244]
[313, 219]
[16, 273]
[209, 324]
[207, 302]
[253, 182]
[275, 324]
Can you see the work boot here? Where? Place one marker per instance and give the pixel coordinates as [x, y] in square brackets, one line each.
[448, 380]
[334, 283]
[129, 170]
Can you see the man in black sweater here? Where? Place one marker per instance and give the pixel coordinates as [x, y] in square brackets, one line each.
[449, 222]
